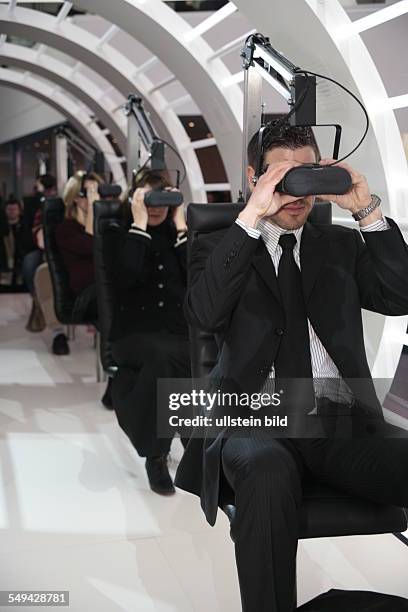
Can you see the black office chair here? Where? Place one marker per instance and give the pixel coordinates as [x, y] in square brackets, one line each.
[106, 213]
[325, 512]
[64, 298]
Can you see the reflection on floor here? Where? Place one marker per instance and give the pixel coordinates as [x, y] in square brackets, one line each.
[76, 512]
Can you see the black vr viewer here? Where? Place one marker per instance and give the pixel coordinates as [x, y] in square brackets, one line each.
[161, 197]
[106, 191]
[312, 179]
[307, 179]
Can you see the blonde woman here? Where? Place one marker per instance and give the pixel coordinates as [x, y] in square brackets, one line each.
[75, 241]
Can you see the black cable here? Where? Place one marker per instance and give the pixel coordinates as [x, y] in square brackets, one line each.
[322, 76]
[299, 102]
[177, 154]
[261, 38]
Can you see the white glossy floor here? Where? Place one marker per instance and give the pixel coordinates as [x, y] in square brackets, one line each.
[76, 512]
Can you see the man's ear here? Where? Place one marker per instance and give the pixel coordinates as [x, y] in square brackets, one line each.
[250, 176]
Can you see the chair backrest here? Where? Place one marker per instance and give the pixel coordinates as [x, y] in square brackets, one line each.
[205, 218]
[106, 213]
[53, 213]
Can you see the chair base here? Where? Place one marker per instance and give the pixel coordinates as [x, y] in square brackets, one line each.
[327, 512]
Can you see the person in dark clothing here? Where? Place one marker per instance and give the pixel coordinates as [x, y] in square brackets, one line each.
[284, 299]
[45, 187]
[14, 244]
[149, 334]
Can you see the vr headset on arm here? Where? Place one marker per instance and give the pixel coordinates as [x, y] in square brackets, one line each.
[299, 88]
[144, 132]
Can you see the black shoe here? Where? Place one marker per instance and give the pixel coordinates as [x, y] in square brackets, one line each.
[107, 396]
[158, 474]
[60, 345]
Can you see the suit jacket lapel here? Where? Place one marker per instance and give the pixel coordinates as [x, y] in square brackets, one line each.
[313, 252]
[262, 263]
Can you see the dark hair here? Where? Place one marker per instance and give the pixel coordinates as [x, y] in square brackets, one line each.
[12, 199]
[48, 181]
[278, 133]
[155, 178]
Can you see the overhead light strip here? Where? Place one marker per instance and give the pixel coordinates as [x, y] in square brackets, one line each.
[398, 101]
[217, 187]
[203, 143]
[379, 17]
[211, 21]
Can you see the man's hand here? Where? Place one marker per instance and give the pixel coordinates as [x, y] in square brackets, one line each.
[359, 195]
[177, 214]
[264, 200]
[139, 210]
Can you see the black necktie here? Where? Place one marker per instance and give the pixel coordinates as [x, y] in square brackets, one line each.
[293, 357]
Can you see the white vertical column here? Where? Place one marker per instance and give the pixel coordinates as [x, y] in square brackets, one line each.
[61, 153]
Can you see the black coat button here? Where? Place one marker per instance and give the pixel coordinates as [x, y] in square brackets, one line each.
[279, 331]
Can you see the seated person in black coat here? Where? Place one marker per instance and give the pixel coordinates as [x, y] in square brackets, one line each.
[149, 334]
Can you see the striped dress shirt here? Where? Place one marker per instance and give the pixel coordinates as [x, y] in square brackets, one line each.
[326, 377]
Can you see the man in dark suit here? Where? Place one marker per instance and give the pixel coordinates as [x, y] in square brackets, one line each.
[284, 299]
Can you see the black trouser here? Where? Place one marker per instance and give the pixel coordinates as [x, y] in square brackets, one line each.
[148, 356]
[266, 475]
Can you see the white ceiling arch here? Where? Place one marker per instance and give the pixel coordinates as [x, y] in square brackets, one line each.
[74, 112]
[109, 63]
[192, 62]
[57, 72]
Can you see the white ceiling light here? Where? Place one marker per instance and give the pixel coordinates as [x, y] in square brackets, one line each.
[37, 1]
[398, 101]
[379, 17]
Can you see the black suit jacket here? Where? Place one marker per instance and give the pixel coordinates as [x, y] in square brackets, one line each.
[234, 293]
